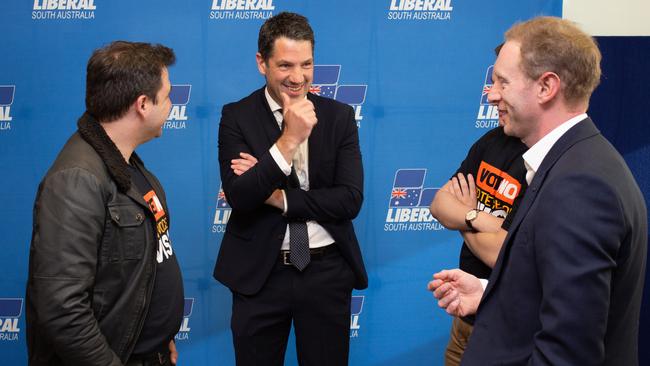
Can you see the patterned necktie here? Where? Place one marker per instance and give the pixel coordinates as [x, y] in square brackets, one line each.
[298, 234]
[299, 244]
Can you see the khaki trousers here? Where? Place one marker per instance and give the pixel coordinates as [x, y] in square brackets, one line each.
[458, 338]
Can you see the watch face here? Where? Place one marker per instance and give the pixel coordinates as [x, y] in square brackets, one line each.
[471, 215]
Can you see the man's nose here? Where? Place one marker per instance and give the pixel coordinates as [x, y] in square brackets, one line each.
[494, 96]
[296, 76]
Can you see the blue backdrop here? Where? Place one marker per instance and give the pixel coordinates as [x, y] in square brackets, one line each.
[415, 76]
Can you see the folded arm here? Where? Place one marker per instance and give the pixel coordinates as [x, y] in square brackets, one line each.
[247, 190]
[449, 207]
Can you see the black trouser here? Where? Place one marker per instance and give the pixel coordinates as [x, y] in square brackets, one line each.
[317, 300]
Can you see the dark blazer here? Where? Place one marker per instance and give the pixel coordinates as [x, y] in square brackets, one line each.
[567, 286]
[254, 233]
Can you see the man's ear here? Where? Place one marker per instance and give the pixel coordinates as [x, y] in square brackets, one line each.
[549, 85]
[140, 105]
[261, 63]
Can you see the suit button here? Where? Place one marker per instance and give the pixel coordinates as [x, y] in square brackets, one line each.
[280, 237]
[117, 218]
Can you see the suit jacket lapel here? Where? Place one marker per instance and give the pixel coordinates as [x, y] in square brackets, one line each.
[577, 133]
[265, 118]
[315, 139]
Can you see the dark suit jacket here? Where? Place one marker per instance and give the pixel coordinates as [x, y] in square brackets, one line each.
[254, 234]
[567, 286]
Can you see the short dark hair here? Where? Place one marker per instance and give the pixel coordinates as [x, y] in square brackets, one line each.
[290, 25]
[118, 73]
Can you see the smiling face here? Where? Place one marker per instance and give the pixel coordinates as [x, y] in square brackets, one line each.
[514, 93]
[289, 69]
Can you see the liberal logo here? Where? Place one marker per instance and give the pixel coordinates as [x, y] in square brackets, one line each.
[326, 84]
[180, 96]
[6, 100]
[10, 311]
[241, 9]
[420, 10]
[408, 207]
[356, 307]
[488, 114]
[222, 213]
[63, 9]
[184, 332]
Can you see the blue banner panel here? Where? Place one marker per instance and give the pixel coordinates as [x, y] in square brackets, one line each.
[415, 72]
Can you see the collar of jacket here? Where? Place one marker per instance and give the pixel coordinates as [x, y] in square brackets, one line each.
[95, 135]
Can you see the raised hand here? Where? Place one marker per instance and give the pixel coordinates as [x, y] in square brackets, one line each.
[299, 118]
[458, 292]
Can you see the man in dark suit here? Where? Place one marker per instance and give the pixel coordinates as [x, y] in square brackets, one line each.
[291, 171]
[566, 288]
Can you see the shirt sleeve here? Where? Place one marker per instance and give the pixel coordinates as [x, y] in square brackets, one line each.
[279, 159]
[484, 283]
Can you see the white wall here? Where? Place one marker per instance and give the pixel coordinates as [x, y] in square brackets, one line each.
[610, 18]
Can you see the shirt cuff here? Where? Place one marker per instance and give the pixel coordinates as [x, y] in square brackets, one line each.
[279, 159]
[284, 198]
[484, 283]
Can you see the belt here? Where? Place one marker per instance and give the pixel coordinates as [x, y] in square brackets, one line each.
[155, 358]
[314, 253]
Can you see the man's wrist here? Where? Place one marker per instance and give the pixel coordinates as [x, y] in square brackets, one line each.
[287, 147]
[470, 218]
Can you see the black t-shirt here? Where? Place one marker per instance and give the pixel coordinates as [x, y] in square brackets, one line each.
[500, 175]
[165, 314]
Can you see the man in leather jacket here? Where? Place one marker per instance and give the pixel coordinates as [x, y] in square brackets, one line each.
[104, 285]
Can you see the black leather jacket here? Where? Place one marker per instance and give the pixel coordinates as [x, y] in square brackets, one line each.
[92, 256]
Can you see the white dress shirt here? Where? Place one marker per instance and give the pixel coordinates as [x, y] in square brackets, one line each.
[318, 236]
[535, 155]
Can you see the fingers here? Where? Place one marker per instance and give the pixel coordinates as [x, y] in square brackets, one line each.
[450, 301]
[305, 110]
[240, 166]
[173, 353]
[454, 307]
[445, 275]
[443, 290]
[302, 107]
[248, 157]
[455, 186]
[299, 120]
[472, 185]
[432, 285]
[463, 184]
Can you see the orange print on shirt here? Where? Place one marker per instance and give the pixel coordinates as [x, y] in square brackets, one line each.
[154, 204]
[497, 183]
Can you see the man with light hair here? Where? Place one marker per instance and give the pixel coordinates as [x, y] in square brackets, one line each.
[567, 285]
